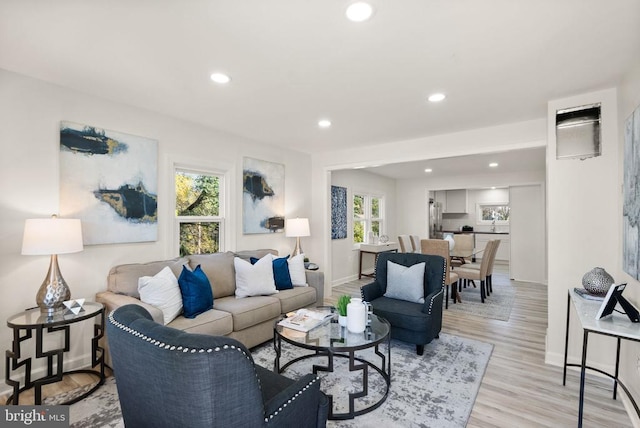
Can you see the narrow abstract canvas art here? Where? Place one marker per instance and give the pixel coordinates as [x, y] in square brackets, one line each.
[263, 197]
[338, 212]
[109, 181]
[631, 201]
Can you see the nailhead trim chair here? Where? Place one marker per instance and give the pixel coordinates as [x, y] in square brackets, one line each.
[169, 378]
[417, 323]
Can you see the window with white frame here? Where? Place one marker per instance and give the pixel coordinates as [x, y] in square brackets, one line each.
[199, 208]
[493, 213]
[368, 216]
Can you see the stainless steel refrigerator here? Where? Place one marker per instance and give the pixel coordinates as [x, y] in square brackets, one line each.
[435, 219]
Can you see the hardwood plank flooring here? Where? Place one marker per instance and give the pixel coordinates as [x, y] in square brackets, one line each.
[519, 389]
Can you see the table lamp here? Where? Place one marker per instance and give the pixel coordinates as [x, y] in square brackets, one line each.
[52, 236]
[295, 228]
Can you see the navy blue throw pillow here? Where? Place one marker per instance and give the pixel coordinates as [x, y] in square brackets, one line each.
[281, 274]
[195, 288]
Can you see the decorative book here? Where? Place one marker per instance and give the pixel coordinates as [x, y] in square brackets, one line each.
[306, 319]
[586, 295]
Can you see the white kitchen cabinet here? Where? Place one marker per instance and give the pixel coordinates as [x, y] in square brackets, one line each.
[456, 202]
[453, 201]
[503, 248]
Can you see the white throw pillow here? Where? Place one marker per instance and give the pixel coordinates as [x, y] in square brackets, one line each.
[254, 280]
[163, 292]
[297, 271]
[405, 283]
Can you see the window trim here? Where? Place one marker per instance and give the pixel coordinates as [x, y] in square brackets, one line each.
[368, 217]
[226, 173]
[479, 219]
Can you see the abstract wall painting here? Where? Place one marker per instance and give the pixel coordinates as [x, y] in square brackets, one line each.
[631, 196]
[262, 197]
[338, 212]
[109, 180]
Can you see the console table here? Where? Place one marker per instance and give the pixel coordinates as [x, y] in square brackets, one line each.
[616, 325]
[23, 325]
[375, 249]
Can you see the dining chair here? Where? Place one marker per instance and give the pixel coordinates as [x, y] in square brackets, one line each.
[440, 247]
[490, 252]
[405, 244]
[464, 244]
[415, 243]
[480, 275]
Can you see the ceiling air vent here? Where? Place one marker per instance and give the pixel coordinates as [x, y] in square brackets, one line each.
[578, 132]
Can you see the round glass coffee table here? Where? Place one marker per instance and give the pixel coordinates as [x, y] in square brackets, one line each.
[332, 341]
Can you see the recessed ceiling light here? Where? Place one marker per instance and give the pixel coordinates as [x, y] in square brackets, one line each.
[359, 167]
[359, 11]
[493, 187]
[220, 78]
[324, 123]
[428, 170]
[436, 98]
[493, 164]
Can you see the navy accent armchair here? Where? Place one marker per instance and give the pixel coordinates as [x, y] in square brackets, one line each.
[169, 378]
[417, 323]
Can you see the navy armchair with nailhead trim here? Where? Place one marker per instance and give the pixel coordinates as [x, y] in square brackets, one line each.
[169, 378]
[417, 323]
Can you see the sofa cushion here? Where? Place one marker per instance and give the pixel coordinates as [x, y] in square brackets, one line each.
[123, 279]
[297, 271]
[249, 312]
[219, 269]
[254, 280]
[296, 298]
[281, 275]
[212, 322]
[401, 314]
[197, 296]
[258, 254]
[163, 292]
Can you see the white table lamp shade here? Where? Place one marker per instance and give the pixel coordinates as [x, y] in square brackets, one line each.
[51, 236]
[297, 227]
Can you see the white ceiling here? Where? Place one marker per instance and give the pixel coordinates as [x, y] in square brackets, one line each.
[512, 162]
[293, 62]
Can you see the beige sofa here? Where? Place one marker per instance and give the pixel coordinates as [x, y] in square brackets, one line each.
[249, 320]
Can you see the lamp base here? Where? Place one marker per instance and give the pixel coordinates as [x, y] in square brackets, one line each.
[298, 249]
[53, 291]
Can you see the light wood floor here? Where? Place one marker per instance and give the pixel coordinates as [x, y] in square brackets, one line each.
[518, 389]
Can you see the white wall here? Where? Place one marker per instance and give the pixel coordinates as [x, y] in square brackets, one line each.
[345, 256]
[628, 101]
[30, 115]
[583, 200]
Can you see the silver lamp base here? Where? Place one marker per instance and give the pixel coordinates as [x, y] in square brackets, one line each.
[298, 249]
[53, 291]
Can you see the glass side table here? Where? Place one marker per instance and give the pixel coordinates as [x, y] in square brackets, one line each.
[25, 323]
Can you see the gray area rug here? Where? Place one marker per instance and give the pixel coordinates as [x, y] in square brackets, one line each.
[497, 306]
[437, 389]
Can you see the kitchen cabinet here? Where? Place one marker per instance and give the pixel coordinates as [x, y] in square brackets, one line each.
[452, 201]
[503, 249]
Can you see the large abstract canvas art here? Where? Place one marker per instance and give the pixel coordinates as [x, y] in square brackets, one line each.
[631, 204]
[109, 180]
[338, 212]
[263, 197]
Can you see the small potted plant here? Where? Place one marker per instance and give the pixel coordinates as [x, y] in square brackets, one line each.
[341, 306]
